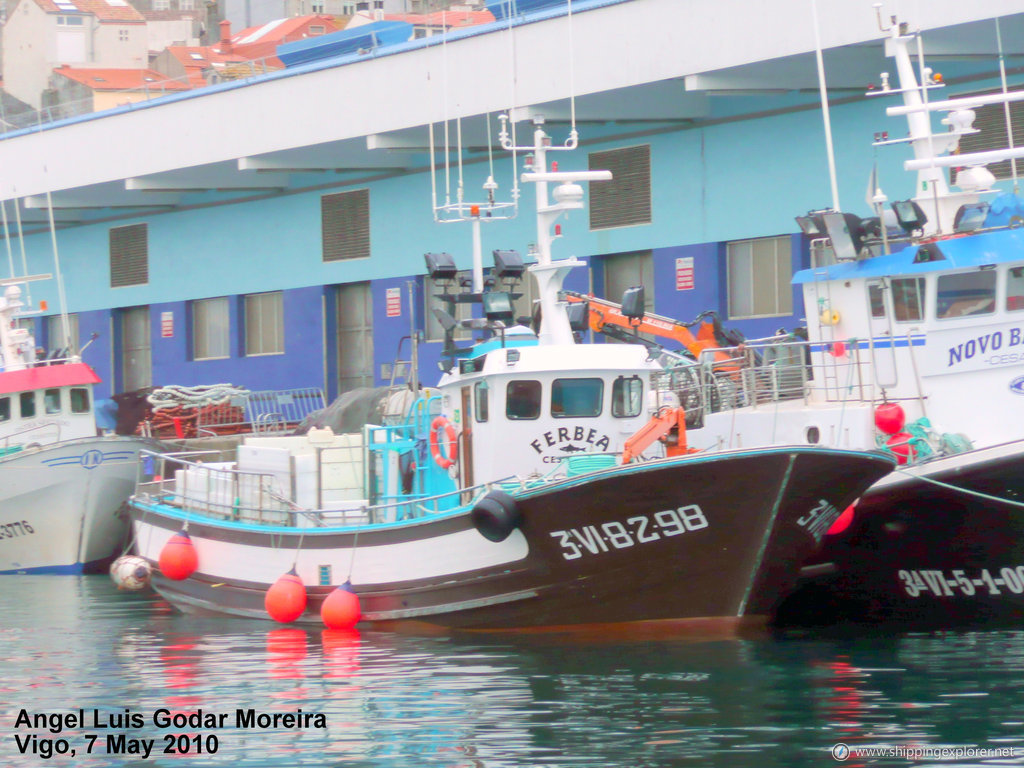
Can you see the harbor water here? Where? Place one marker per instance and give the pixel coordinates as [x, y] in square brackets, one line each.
[106, 674]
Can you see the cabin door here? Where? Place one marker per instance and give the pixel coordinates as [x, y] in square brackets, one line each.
[466, 438]
[882, 346]
[136, 358]
[355, 337]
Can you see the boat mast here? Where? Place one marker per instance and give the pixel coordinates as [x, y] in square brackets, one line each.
[568, 196]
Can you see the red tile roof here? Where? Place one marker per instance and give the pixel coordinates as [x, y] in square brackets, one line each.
[118, 11]
[121, 79]
[261, 42]
[198, 59]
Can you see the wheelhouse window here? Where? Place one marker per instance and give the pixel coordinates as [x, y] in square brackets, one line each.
[79, 400]
[211, 328]
[28, 404]
[627, 397]
[576, 398]
[264, 324]
[51, 401]
[522, 400]
[5, 409]
[1015, 289]
[966, 294]
[908, 299]
[480, 404]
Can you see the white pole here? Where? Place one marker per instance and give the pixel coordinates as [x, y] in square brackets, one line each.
[824, 109]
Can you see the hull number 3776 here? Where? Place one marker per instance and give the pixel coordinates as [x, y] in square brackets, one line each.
[640, 529]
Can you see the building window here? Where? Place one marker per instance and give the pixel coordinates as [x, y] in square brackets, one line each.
[129, 255]
[161, 5]
[122, 35]
[576, 398]
[28, 404]
[51, 400]
[458, 311]
[345, 225]
[626, 199]
[317, 29]
[79, 400]
[55, 334]
[990, 122]
[522, 400]
[70, 21]
[5, 409]
[966, 294]
[211, 329]
[627, 397]
[264, 324]
[908, 299]
[759, 277]
[186, 5]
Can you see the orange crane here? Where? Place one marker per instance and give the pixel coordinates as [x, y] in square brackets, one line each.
[669, 426]
[608, 318]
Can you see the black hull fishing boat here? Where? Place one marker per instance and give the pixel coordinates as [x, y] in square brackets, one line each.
[705, 538]
[544, 483]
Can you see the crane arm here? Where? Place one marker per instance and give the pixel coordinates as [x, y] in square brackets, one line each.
[604, 313]
[668, 425]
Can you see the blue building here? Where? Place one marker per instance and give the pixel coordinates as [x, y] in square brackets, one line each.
[271, 232]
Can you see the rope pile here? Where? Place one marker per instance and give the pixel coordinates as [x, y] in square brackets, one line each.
[177, 411]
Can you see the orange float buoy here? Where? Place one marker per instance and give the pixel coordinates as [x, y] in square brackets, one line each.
[842, 522]
[286, 598]
[890, 418]
[899, 444]
[341, 608]
[178, 558]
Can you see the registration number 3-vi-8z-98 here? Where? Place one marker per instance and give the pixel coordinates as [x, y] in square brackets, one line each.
[641, 529]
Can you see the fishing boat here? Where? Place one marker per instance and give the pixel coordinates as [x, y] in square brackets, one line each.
[543, 484]
[62, 486]
[914, 344]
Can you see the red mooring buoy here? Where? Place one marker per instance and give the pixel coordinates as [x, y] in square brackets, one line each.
[341, 608]
[890, 418]
[286, 598]
[178, 558]
[899, 444]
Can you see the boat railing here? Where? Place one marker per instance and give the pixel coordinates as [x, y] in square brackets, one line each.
[222, 492]
[266, 411]
[762, 372]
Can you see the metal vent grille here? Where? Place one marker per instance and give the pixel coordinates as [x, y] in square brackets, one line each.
[990, 120]
[345, 224]
[626, 199]
[129, 255]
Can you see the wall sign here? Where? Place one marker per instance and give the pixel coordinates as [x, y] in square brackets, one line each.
[684, 274]
[393, 302]
[167, 325]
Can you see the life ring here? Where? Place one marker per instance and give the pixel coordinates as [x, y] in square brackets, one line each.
[443, 461]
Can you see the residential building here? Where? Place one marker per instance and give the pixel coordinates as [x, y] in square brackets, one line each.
[79, 91]
[41, 35]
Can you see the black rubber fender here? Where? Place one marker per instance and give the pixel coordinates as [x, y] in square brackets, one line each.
[496, 515]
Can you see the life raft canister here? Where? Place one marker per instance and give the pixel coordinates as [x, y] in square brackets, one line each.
[443, 461]
[496, 515]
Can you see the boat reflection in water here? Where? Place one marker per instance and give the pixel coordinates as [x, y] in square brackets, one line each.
[409, 701]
